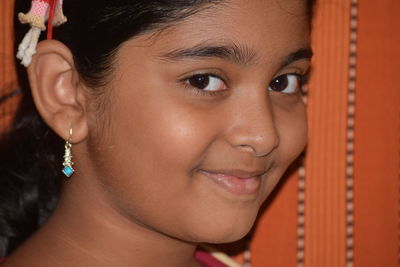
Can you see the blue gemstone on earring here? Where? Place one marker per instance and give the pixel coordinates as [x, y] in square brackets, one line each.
[68, 171]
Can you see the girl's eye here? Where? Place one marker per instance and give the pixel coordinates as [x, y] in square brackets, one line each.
[287, 83]
[206, 82]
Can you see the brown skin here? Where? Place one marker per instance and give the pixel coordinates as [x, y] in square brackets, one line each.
[137, 197]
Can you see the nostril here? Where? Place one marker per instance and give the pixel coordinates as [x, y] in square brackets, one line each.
[258, 139]
[249, 148]
[260, 152]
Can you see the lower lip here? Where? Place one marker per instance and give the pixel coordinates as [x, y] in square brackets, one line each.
[235, 185]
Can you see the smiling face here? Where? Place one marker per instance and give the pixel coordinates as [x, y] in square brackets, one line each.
[202, 119]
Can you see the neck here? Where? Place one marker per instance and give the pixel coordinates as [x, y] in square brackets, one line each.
[86, 230]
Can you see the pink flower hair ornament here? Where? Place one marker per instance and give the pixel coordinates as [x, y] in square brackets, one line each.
[40, 12]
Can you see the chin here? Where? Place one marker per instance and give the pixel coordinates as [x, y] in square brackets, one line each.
[223, 229]
[227, 234]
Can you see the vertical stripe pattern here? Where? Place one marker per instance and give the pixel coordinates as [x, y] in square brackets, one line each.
[376, 146]
[350, 132]
[300, 216]
[8, 80]
[325, 182]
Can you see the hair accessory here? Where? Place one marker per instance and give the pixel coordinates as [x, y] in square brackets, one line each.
[40, 12]
[68, 170]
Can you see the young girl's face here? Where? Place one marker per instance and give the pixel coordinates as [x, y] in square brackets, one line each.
[202, 119]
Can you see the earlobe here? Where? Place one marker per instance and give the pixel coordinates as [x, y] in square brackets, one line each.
[56, 90]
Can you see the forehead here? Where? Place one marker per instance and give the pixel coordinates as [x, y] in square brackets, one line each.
[268, 27]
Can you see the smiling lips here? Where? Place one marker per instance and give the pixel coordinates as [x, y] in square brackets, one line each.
[236, 181]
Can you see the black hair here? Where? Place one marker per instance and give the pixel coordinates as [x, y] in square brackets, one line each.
[30, 153]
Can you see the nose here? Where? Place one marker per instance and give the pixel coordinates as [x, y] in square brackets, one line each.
[253, 127]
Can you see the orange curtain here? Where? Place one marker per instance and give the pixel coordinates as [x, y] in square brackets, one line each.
[341, 206]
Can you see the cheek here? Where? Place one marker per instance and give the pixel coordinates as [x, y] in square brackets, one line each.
[170, 138]
[155, 144]
[292, 129]
[291, 125]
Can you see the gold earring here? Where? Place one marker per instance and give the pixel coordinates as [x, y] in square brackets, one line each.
[68, 170]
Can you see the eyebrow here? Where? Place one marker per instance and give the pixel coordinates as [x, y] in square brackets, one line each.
[302, 53]
[232, 52]
[242, 55]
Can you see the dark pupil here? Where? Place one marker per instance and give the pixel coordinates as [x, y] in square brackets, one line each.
[279, 83]
[199, 81]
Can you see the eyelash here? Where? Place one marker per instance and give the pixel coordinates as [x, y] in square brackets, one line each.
[197, 91]
[303, 80]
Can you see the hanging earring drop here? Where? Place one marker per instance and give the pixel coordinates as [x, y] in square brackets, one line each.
[68, 170]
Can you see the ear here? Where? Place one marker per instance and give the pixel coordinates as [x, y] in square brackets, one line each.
[58, 95]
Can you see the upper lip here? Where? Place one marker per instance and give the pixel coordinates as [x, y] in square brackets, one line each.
[238, 172]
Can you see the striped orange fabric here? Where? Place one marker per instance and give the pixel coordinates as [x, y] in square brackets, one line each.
[344, 209]
[8, 78]
[325, 228]
[7, 74]
[377, 136]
